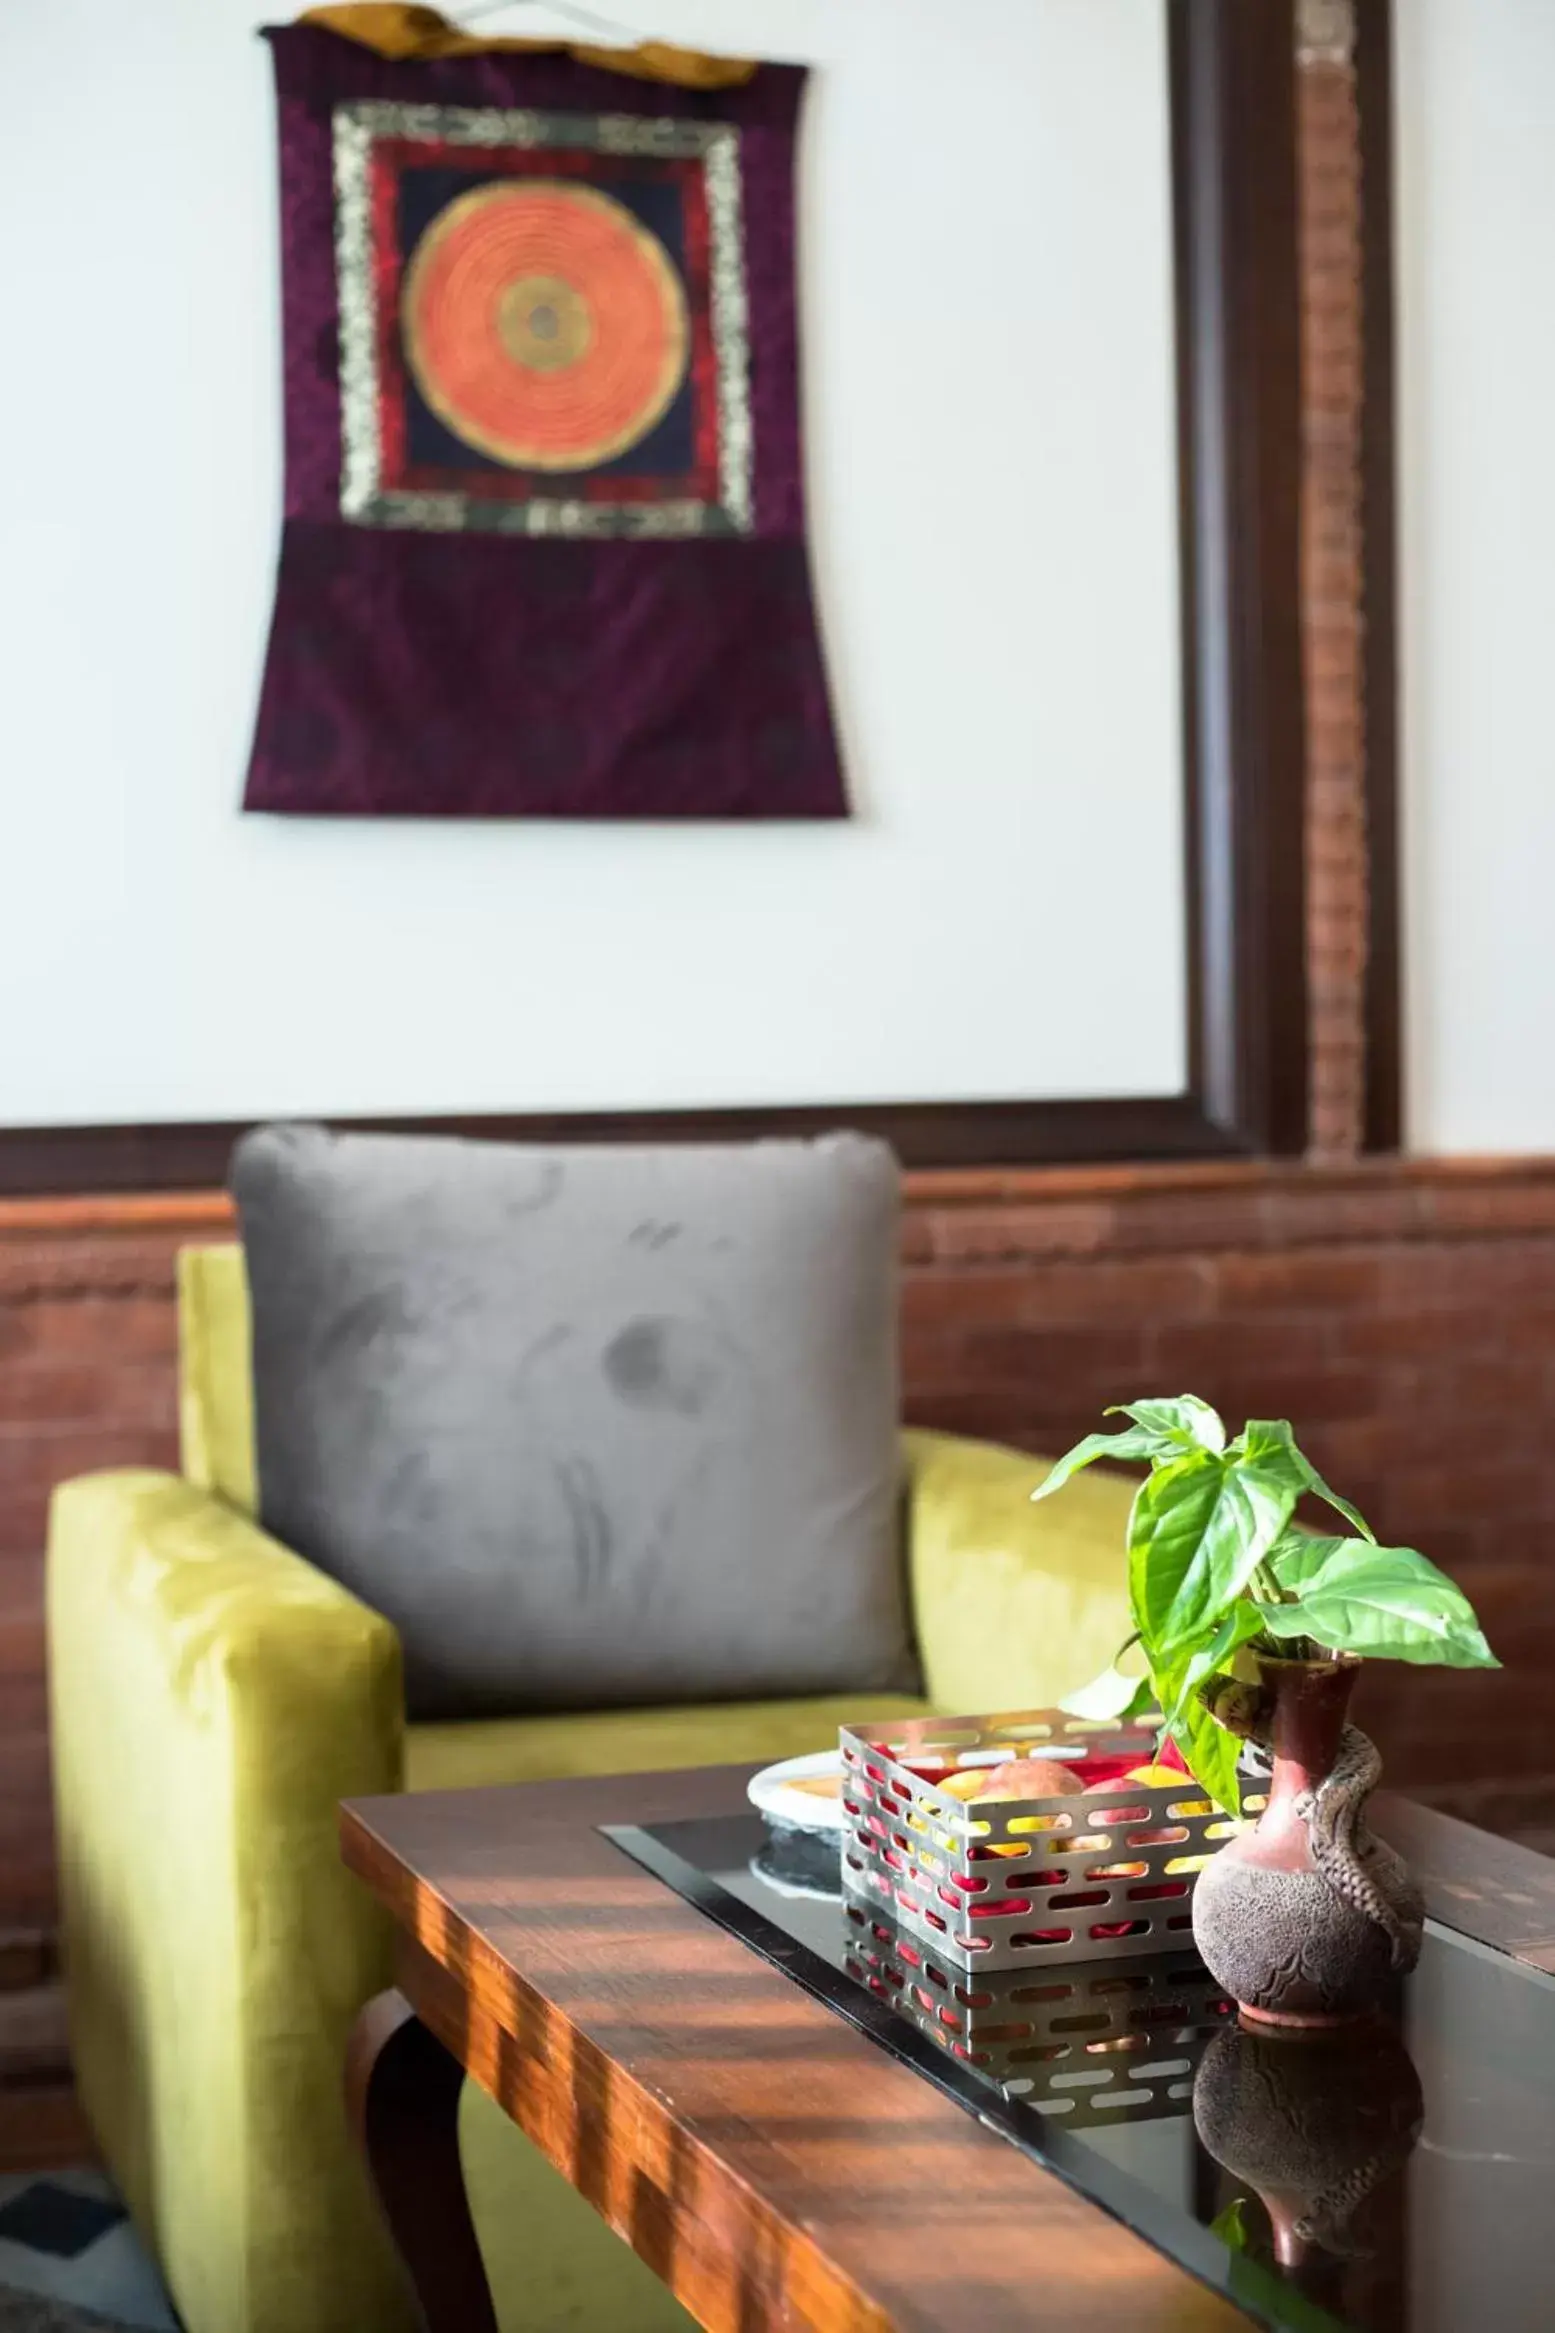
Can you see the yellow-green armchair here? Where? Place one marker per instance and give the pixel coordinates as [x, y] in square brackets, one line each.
[214, 1696]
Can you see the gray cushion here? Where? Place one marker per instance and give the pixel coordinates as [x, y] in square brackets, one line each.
[592, 1426]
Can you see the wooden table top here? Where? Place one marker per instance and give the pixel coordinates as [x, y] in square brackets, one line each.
[770, 2163]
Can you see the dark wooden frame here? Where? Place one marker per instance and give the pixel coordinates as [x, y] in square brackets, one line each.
[1233, 106]
[1233, 80]
[1384, 1048]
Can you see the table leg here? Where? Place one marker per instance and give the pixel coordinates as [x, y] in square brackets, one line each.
[402, 2089]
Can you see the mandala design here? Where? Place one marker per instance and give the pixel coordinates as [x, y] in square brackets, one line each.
[542, 322]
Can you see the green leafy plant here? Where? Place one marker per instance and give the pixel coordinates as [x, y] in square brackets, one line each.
[1230, 2225]
[1259, 2285]
[1218, 1571]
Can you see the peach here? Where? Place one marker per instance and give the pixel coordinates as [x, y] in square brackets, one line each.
[1018, 1778]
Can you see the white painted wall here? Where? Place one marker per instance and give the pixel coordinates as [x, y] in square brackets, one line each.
[1476, 360]
[986, 286]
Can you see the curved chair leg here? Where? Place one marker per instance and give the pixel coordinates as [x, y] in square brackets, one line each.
[402, 2091]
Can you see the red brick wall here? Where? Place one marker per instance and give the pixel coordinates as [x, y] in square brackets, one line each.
[87, 1379]
[1403, 1316]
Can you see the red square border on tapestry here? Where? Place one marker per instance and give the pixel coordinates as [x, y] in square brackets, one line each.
[647, 430]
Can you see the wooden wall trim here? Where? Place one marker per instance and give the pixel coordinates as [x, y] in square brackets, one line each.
[1233, 71]
[47, 1159]
[1379, 587]
[1230, 1203]
[182, 1211]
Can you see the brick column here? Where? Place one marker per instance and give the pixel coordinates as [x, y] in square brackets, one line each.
[1333, 388]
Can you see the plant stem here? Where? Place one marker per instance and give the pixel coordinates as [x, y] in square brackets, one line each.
[1266, 1588]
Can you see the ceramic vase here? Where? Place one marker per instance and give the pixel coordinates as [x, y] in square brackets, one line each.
[1295, 1937]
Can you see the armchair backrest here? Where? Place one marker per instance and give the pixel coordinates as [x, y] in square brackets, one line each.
[215, 1374]
[590, 1425]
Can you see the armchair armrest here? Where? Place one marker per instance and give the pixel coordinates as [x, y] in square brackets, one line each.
[213, 1696]
[1015, 1605]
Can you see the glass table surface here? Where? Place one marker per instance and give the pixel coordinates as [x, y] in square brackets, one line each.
[1397, 2177]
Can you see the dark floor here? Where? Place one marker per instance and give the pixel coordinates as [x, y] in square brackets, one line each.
[64, 2237]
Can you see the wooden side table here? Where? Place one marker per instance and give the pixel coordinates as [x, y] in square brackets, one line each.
[772, 2165]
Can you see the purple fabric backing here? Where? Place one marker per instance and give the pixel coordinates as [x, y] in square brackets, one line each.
[480, 675]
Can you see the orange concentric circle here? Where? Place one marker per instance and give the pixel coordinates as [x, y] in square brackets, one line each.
[544, 324]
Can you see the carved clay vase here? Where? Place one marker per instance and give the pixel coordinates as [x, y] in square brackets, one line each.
[1305, 1919]
[1313, 2123]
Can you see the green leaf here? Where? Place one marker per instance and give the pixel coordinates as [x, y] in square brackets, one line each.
[1241, 1624]
[1299, 1556]
[1340, 1506]
[1111, 1695]
[1167, 1678]
[1183, 1683]
[1165, 1529]
[1187, 1421]
[1270, 1442]
[1199, 1529]
[1132, 1442]
[1388, 1602]
[1162, 1431]
[1303, 1562]
[1231, 2225]
[1212, 1754]
[1269, 2298]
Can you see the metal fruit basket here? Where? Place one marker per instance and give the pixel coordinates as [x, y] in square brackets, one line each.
[1093, 2042]
[1023, 1883]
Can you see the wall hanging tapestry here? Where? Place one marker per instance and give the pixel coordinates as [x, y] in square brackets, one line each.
[544, 546]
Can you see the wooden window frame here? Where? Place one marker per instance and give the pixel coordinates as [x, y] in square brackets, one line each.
[1234, 194]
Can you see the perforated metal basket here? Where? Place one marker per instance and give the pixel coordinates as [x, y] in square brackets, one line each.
[1093, 2042]
[1028, 1882]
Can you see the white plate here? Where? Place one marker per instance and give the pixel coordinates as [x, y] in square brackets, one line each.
[795, 1889]
[769, 1790]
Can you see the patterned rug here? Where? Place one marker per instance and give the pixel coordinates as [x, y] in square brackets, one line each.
[24, 2312]
[70, 2262]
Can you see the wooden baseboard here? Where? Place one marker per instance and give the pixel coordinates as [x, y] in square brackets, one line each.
[28, 1958]
[34, 2037]
[42, 2128]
